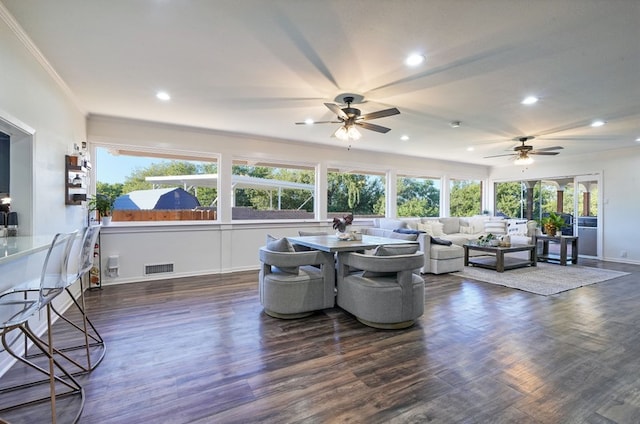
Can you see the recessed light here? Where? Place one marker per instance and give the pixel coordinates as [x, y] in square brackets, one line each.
[163, 95]
[404, 138]
[309, 121]
[414, 59]
[597, 123]
[638, 140]
[455, 124]
[529, 100]
[470, 149]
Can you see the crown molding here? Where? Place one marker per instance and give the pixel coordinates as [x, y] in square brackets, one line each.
[19, 32]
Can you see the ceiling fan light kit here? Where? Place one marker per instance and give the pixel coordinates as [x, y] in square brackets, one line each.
[351, 118]
[523, 151]
[523, 160]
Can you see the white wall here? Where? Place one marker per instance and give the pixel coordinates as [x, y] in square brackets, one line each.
[620, 175]
[30, 95]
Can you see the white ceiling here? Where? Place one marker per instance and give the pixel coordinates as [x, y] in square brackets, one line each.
[258, 66]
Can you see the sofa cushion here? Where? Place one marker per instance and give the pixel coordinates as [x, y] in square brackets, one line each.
[460, 239]
[391, 224]
[450, 225]
[439, 252]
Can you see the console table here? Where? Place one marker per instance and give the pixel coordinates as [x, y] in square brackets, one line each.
[564, 241]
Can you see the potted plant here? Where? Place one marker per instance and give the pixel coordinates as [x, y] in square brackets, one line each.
[103, 205]
[488, 240]
[552, 224]
[341, 225]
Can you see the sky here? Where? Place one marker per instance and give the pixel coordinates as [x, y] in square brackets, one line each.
[113, 169]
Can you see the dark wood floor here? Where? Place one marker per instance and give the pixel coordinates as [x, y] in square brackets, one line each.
[201, 350]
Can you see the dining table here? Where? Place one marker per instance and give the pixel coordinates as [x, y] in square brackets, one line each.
[333, 244]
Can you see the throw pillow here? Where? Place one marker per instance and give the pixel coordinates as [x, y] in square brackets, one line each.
[437, 229]
[425, 227]
[465, 230]
[450, 225]
[495, 227]
[404, 236]
[281, 245]
[407, 249]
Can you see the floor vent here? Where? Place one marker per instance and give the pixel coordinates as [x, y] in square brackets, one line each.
[158, 269]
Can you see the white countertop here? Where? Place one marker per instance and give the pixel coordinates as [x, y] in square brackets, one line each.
[16, 247]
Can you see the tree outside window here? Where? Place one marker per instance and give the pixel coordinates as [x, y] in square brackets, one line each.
[418, 197]
[360, 194]
[465, 197]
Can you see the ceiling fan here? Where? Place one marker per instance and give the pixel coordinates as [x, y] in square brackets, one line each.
[523, 151]
[350, 118]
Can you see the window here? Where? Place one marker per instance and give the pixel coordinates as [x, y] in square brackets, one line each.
[272, 191]
[355, 192]
[465, 197]
[151, 187]
[418, 196]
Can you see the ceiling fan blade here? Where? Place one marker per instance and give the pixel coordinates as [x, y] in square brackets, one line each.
[538, 152]
[380, 114]
[497, 156]
[373, 127]
[547, 149]
[337, 110]
[319, 122]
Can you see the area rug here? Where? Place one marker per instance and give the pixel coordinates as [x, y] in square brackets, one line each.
[545, 279]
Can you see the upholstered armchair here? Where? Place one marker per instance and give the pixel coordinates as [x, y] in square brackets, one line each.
[295, 284]
[387, 293]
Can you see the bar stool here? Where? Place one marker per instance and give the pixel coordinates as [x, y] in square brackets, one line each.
[18, 306]
[80, 263]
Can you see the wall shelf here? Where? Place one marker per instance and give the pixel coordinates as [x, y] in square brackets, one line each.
[74, 193]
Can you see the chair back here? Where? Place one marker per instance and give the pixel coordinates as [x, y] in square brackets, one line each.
[88, 247]
[54, 270]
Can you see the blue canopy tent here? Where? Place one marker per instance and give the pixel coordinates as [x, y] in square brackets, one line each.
[160, 199]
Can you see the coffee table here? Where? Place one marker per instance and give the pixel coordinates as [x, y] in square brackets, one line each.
[499, 262]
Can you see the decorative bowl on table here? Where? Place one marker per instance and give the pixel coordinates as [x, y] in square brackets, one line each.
[343, 236]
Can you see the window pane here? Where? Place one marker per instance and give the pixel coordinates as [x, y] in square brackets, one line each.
[357, 193]
[510, 199]
[418, 196]
[156, 188]
[272, 192]
[465, 198]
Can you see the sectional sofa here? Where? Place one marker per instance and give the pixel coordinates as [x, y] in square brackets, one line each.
[434, 235]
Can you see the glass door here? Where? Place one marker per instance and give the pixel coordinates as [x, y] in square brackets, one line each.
[588, 218]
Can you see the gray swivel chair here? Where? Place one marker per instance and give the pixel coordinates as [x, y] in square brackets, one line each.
[295, 284]
[387, 294]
